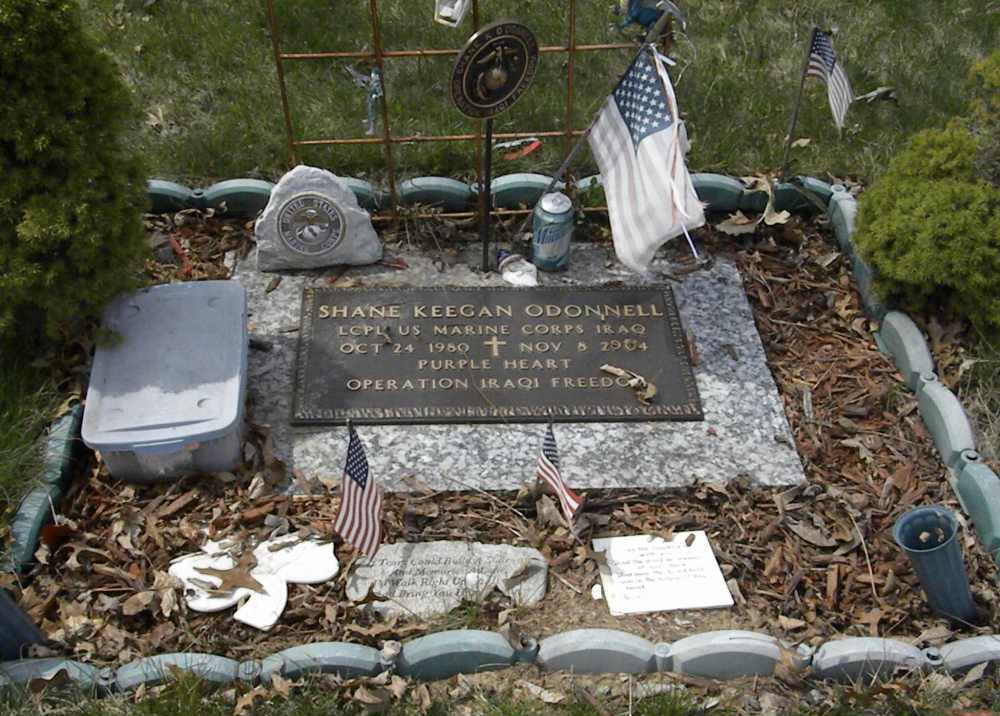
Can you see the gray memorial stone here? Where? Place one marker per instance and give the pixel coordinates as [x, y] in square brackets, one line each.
[744, 433]
[430, 578]
[313, 220]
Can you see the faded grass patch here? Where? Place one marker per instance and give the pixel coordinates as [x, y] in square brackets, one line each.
[500, 694]
[204, 77]
[27, 397]
[981, 396]
[318, 696]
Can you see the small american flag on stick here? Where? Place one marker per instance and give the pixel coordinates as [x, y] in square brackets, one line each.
[359, 520]
[823, 64]
[548, 470]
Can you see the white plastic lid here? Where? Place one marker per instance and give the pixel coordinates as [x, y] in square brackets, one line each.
[174, 373]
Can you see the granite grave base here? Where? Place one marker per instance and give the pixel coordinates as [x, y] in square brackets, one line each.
[745, 433]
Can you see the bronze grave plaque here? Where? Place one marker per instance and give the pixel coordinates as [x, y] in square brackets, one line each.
[485, 355]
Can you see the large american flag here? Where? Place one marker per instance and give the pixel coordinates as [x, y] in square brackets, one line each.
[359, 520]
[823, 64]
[638, 146]
[548, 470]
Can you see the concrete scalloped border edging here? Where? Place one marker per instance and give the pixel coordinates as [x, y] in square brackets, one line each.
[244, 198]
[975, 484]
[62, 453]
[723, 654]
[63, 450]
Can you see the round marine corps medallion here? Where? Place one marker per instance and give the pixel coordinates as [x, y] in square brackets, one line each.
[310, 224]
[494, 69]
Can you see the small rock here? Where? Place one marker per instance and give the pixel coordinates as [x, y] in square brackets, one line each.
[313, 220]
[165, 255]
[158, 239]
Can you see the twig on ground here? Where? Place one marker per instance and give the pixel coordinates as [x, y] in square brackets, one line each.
[566, 582]
[868, 560]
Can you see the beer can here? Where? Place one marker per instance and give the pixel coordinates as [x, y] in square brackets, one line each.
[552, 231]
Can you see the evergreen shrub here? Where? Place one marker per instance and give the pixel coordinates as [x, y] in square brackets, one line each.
[71, 196]
[930, 226]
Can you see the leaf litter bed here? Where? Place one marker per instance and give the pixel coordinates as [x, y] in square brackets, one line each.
[807, 563]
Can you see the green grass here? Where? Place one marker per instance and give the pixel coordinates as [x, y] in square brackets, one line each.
[467, 615]
[27, 398]
[321, 697]
[981, 396]
[204, 79]
[190, 696]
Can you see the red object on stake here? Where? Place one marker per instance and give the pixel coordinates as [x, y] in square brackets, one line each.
[523, 152]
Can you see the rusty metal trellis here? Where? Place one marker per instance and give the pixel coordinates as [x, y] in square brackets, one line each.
[378, 55]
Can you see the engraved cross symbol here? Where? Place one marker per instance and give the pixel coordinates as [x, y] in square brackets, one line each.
[495, 344]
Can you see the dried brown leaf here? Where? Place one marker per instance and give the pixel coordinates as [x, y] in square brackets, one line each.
[138, 603]
[177, 505]
[422, 698]
[233, 579]
[737, 224]
[548, 514]
[974, 674]
[812, 535]
[281, 685]
[246, 702]
[790, 624]
[397, 686]
[546, 696]
[377, 697]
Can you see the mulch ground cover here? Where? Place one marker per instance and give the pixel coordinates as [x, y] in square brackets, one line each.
[805, 563]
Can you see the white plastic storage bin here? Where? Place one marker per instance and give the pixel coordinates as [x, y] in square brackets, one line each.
[166, 394]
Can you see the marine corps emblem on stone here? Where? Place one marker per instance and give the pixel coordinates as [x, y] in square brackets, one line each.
[310, 225]
[313, 220]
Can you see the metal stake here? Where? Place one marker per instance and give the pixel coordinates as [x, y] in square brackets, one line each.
[487, 194]
[386, 134]
[276, 46]
[570, 65]
[798, 103]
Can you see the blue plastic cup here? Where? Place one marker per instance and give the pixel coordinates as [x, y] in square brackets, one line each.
[17, 630]
[929, 537]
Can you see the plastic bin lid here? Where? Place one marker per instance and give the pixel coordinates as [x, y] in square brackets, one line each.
[174, 374]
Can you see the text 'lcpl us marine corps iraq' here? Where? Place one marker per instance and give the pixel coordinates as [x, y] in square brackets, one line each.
[490, 355]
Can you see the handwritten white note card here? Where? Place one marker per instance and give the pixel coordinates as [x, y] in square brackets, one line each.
[649, 574]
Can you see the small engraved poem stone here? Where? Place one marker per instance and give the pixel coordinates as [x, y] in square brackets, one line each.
[427, 579]
[313, 220]
[644, 573]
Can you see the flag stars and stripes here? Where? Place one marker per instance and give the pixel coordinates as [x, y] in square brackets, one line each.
[637, 144]
[642, 102]
[824, 65]
[821, 53]
[359, 520]
[548, 471]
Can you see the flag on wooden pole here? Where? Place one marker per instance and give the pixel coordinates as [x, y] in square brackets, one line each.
[824, 65]
[548, 470]
[359, 520]
[638, 146]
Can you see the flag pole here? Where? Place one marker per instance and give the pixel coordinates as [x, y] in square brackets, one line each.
[798, 103]
[654, 32]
